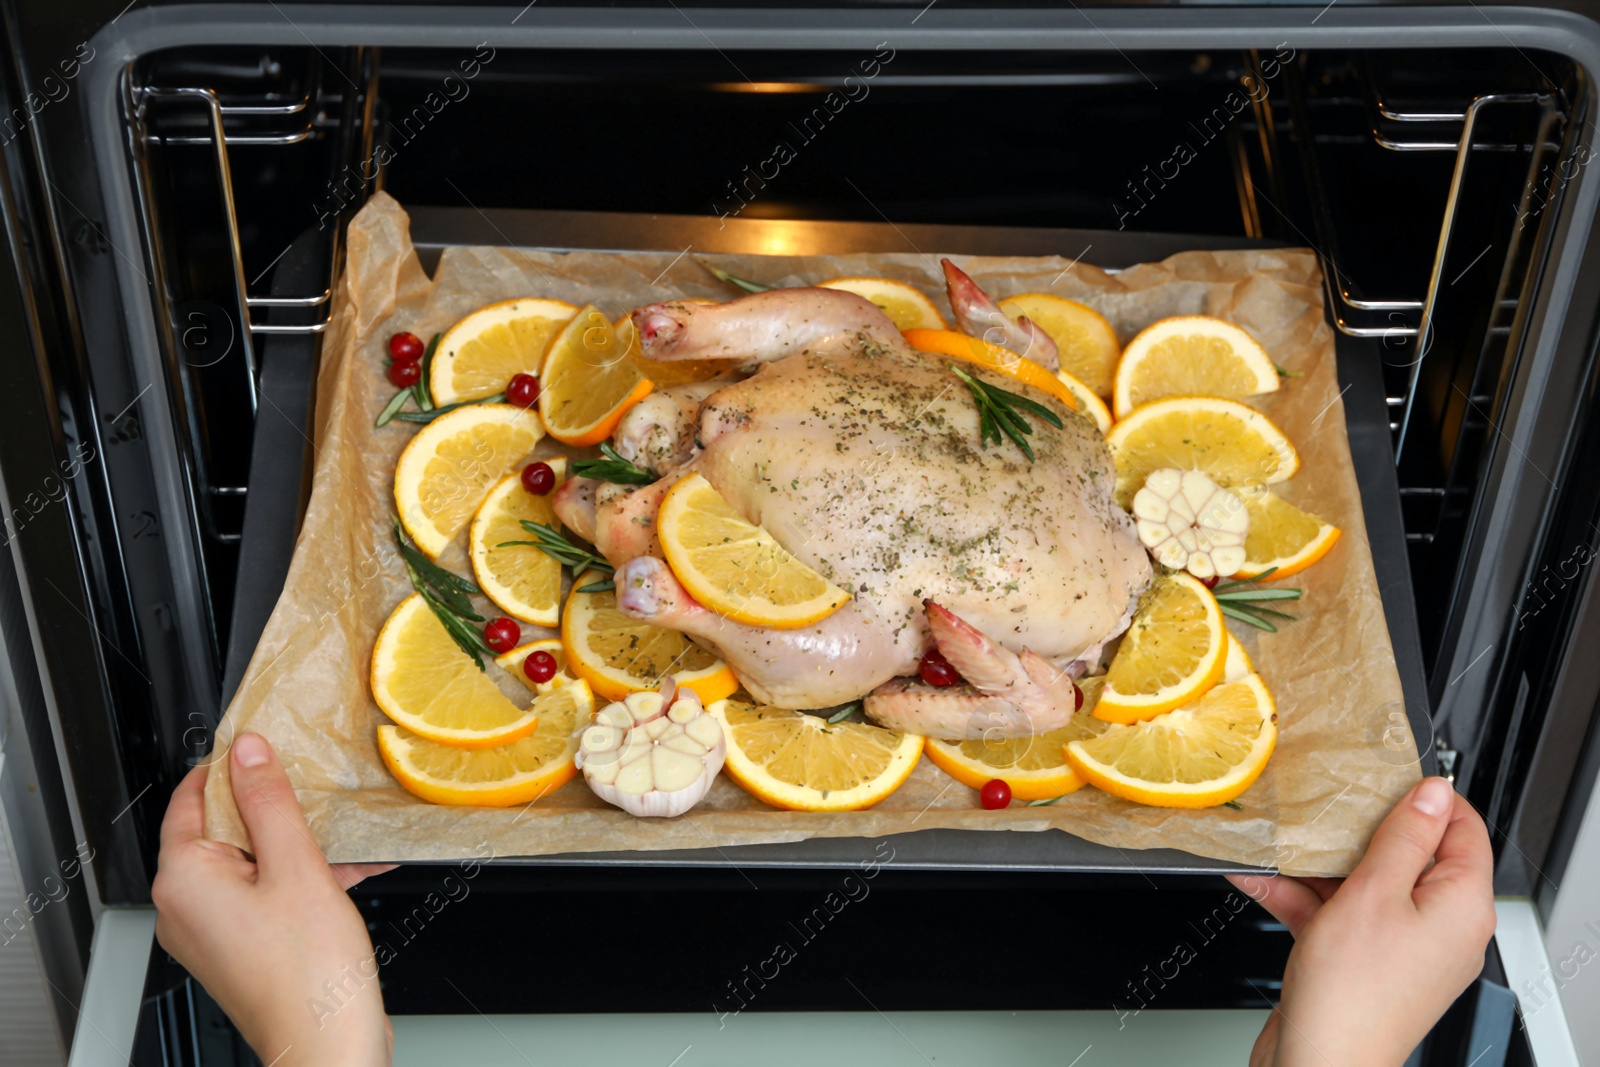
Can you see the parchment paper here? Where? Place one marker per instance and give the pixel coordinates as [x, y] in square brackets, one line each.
[1344, 754]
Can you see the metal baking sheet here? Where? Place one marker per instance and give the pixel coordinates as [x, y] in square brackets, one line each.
[268, 543]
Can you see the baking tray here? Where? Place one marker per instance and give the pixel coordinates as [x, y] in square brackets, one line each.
[280, 483]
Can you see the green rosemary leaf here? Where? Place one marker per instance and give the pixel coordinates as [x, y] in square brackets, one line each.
[613, 469]
[1247, 617]
[607, 586]
[1046, 801]
[1239, 583]
[844, 712]
[746, 285]
[1284, 372]
[1234, 804]
[432, 413]
[1031, 406]
[424, 384]
[392, 408]
[431, 572]
[554, 544]
[999, 414]
[1235, 596]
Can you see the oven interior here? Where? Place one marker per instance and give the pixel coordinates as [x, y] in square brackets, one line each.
[1425, 180]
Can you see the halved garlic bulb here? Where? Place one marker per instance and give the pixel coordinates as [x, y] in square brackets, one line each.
[1188, 522]
[652, 754]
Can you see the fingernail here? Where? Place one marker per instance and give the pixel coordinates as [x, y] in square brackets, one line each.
[1434, 797]
[250, 750]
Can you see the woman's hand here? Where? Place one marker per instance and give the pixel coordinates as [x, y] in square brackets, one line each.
[1379, 956]
[276, 941]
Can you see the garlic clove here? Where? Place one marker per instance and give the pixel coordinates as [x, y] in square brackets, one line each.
[655, 729]
[705, 730]
[673, 770]
[635, 777]
[682, 742]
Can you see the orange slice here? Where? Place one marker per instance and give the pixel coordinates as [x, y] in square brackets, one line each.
[1085, 341]
[1282, 538]
[617, 655]
[907, 306]
[1175, 649]
[477, 356]
[1237, 664]
[1236, 445]
[516, 773]
[424, 682]
[447, 469]
[1199, 756]
[1035, 767]
[521, 579]
[975, 350]
[1088, 404]
[588, 382]
[511, 663]
[1191, 355]
[799, 762]
[736, 568]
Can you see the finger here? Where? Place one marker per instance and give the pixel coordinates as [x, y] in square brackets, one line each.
[1323, 887]
[278, 832]
[351, 875]
[186, 811]
[1265, 1050]
[1289, 900]
[1406, 841]
[1465, 858]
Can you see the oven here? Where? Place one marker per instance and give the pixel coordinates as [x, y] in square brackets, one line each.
[176, 181]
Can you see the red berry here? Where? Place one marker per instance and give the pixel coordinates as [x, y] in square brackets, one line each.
[1211, 582]
[1077, 697]
[539, 666]
[405, 347]
[936, 670]
[404, 374]
[502, 635]
[538, 478]
[994, 795]
[522, 390]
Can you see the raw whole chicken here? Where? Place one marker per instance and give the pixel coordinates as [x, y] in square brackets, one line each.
[862, 457]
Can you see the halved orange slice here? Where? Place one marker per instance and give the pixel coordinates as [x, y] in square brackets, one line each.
[1174, 650]
[588, 382]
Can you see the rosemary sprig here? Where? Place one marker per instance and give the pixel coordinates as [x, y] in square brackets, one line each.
[844, 712]
[999, 413]
[392, 408]
[446, 594]
[1047, 801]
[554, 544]
[613, 469]
[1234, 804]
[1285, 372]
[745, 284]
[423, 389]
[433, 413]
[1243, 599]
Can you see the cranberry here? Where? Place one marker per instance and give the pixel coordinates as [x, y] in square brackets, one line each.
[1211, 582]
[936, 670]
[522, 390]
[502, 635]
[539, 666]
[538, 478]
[1077, 697]
[404, 374]
[994, 795]
[405, 347]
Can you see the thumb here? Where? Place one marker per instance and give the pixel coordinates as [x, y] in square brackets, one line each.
[282, 841]
[1407, 840]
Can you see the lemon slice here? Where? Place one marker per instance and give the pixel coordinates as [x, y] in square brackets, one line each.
[798, 762]
[1237, 664]
[1035, 767]
[516, 773]
[511, 663]
[588, 382]
[1236, 445]
[1175, 649]
[736, 568]
[424, 682]
[666, 372]
[1088, 403]
[521, 579]
[445, 471]
[907, 306]
[617, 655]
[477, 356]
[1191, 355]
[1085, 341]
[1198, 756]
[1282, 537]
[981, 352]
